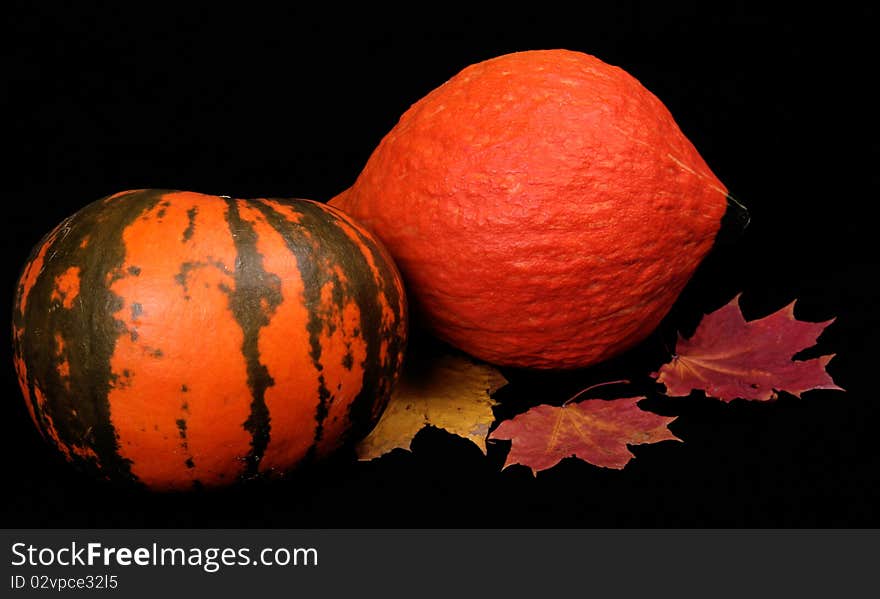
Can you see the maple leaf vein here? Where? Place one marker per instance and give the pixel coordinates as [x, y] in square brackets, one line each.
[554, 434]
[584, 435]
[710, 365]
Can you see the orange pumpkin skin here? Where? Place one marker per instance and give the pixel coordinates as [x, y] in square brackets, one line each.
[543, 206]
[180, 340]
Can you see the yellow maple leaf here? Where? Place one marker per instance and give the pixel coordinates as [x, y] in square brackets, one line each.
[447, 391]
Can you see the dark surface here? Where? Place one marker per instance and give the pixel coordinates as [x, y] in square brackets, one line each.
[291, 104]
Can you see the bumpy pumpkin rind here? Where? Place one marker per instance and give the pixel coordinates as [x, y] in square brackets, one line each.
[544, 208]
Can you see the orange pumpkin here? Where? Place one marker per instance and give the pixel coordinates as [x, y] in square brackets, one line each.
[544, 207]
[179, 339]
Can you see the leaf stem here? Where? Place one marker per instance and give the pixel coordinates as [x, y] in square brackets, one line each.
[596, 386]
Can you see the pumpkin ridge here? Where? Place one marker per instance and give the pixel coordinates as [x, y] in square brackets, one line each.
[253, 287]
[84, 428]
[22, 293]
[358, 275]
[362, 408]
[301, 246]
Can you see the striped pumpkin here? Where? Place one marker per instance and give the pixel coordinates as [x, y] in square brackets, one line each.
[180, 340]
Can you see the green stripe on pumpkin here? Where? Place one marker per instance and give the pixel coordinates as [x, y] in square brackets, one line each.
[79, 408]
[254, 287]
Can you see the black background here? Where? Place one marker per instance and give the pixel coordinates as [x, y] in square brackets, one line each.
[290, 103]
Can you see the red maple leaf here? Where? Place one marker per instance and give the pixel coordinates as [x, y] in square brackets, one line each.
[594, 430]
[730, 358]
